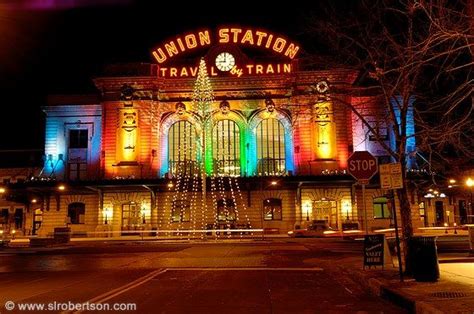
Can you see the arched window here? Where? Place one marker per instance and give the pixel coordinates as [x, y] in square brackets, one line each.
[270, 147]
[226, 148]
[226, 210]
[180, 211]
[272, 209]
[182, 148]
[381, 209]
[76, 213]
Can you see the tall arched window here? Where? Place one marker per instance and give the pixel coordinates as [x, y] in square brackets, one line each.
[182, 148]
[76, 213]
[226, 148]
[270, 135]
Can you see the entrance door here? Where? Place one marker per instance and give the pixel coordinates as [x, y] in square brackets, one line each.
[326, 210]
[462, 212]
[131, 219]
[439, 213]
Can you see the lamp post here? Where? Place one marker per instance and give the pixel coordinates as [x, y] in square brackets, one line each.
[470, 184]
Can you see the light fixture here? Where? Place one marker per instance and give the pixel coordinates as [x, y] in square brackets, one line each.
[450, 186]
[469, 182]
[170, 184]
[274, 183]
[442, 195]
[61, 187]
[2, 190]
[452, 181]
[34, 201]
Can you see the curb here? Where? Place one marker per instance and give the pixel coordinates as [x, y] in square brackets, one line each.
[381, 288]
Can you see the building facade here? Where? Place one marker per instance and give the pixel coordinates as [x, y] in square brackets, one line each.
[268, 152]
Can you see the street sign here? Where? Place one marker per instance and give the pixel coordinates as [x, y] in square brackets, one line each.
[362, 165]
[391, 176]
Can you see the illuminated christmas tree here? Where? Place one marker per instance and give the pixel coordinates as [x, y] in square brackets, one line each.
[203, 95]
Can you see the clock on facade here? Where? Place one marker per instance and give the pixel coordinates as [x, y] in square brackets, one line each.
[225, 61]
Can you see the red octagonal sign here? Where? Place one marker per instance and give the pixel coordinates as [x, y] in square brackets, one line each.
[362, 165]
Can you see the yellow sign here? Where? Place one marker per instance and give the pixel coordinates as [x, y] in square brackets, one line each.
[391, 176]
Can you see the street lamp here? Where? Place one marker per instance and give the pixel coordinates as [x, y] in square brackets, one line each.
[470, 184]
[272, 183]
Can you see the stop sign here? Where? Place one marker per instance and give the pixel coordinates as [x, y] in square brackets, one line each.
[362, 165]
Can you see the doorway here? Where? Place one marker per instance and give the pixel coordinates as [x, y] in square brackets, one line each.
[439, 213]
[131, 219]
[326, 210]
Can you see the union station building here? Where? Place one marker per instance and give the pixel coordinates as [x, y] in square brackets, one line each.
[269, 152]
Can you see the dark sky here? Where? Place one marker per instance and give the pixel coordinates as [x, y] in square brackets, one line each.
[57, 46]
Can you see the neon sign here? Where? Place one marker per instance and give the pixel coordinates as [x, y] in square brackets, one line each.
[226, 35]
[248, 69]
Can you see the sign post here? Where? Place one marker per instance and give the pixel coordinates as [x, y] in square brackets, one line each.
[362, 166]
[391, 179]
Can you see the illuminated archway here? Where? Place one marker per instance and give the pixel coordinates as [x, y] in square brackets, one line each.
[165, 128]
[285, 122]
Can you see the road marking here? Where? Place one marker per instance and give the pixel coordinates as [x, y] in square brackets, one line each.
[249, 268]
[120, 290]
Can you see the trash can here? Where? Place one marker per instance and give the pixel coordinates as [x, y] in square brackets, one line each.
[424, 258]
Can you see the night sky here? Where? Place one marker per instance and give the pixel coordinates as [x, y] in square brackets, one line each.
[57, 46]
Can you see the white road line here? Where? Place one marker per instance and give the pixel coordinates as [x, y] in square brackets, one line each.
[248, 268]
[120, 290]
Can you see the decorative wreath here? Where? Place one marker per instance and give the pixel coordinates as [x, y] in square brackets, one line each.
[322, 87]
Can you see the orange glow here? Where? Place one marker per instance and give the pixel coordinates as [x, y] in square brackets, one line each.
[61, 187]
[127, 136]
[274, 183]
[34, 200]
[324, 131]
[246, 69]
[2, 190]
[224, 35]
[470, 182]
[180, 44]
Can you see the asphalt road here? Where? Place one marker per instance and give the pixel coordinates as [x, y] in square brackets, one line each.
[288, 276]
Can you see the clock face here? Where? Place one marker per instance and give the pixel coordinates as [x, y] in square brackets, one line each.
[225, 61]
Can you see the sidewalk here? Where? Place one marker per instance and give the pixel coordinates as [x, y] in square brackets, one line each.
[453, 293]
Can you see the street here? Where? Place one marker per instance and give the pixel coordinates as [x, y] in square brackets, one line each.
[280, 276]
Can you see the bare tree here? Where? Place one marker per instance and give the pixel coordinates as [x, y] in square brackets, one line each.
[415, 53]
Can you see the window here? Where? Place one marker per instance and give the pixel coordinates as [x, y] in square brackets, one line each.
[4, 216]
[272, 209]
[380, 129]
[381, 210]
[226, 210]
[182, 148]
[78, 138]
[270, 147]
[76, 212]
[18, 218]
[180, 211]
[226, 148]
[77, 154]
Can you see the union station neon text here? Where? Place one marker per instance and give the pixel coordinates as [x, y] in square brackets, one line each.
[226, 35]
[248, 69]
